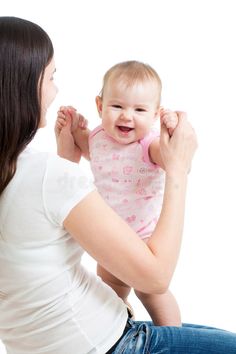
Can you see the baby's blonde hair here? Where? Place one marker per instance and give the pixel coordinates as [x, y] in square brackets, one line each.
[130, 73]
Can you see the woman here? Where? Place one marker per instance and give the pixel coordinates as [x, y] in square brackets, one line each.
[50, 214]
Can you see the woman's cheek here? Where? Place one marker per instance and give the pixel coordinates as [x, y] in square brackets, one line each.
[49, 97]
[53, 94]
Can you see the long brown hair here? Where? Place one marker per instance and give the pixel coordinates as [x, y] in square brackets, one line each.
[25, 51]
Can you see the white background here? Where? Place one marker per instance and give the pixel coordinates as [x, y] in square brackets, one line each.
[191, 44]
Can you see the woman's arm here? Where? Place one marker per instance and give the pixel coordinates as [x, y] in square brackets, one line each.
[109, 240]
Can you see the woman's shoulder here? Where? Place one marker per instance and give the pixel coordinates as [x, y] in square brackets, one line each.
[48, 170]
[60, 182]
[35, 158]
[31, 158]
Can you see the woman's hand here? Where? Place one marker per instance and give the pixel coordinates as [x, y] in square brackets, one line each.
[66, 146]
[178, 150]
[78, 121]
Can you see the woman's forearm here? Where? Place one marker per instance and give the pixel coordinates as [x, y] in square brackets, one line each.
[166, 239]
[109, 240]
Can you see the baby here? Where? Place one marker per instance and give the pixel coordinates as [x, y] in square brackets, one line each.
[126, 161]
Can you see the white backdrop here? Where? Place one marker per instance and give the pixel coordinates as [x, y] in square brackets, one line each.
[191, 44]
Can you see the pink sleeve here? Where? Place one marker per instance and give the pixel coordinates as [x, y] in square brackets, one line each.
[145, 143]
[95, 131]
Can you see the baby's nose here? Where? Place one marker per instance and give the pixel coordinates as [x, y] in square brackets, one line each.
[127, 114]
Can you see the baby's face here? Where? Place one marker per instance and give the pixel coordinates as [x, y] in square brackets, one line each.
[128, 112]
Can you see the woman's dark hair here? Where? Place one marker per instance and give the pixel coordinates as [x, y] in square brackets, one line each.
[25, 51]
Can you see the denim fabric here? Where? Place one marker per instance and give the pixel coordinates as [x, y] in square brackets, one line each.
[145, 338]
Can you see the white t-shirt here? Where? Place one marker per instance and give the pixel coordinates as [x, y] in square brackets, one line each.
[48, 302]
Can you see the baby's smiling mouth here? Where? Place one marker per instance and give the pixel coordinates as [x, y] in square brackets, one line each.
[124, 129]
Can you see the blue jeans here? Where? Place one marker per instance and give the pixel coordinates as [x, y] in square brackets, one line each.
[145, 338]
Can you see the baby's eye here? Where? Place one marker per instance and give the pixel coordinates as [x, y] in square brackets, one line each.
[140, 110]
[116, 106]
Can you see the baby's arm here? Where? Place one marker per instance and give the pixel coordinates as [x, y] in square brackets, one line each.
[170, 119]
[79, 129]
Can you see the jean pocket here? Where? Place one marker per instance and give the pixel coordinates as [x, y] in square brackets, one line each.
[136, 340]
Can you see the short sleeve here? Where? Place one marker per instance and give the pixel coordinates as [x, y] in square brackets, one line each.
[65, 185]
[145, 143]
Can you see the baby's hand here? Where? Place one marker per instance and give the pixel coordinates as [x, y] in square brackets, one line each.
[170, 119]
[78, 121]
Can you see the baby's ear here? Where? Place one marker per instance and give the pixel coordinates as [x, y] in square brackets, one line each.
[99, 105]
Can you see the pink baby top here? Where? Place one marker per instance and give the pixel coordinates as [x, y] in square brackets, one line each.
[126, 178]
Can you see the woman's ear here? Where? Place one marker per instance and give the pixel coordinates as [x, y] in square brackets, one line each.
[99, 105]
